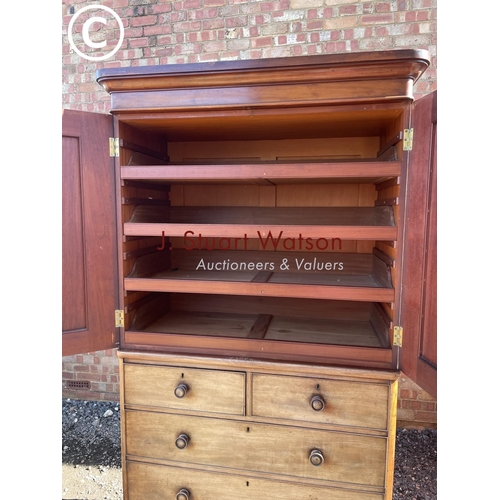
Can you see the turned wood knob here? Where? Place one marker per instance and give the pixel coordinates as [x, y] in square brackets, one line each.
[182, 441]
[316, 457]
[183, 494]
[181, 390]
[317, 403]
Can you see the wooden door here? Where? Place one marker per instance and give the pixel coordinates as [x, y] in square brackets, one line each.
[419, 351]
[89, 258]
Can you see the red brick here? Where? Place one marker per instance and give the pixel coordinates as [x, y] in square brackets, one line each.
[133, 32]
[214, 46]
[191, 4]
[164, 40]
[423, 15]
[282, 39]
[143, 20]
[255, 54]
[315, 25]
[161, 29]
[262, 42]
[213, 3]
[382, 7]
[203, 14]
[403, 5]
[269, 6]
[187, 26]
[425, 416]
[205, 36]
[314, 37]
[411, 16]
[377, 19]
[213, 24]
[82, 368]
[169, 51]
[209, 57]
[297, 50]
[312, 14]
[233, 22]
[137, 42]
[348, 34]
[160, 8]
[347, 10]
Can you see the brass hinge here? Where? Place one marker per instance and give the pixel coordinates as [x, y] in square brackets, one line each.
[114, 147]
[408, 139]
[398, 336]
[119, 322]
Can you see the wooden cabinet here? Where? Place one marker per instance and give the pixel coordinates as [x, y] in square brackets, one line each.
[273, 231]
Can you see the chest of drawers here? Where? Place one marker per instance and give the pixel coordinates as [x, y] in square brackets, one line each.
[216, 428]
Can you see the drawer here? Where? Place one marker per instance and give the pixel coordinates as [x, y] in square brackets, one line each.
[276, 449]
[355, 404]
[212, 391]
[153, 482]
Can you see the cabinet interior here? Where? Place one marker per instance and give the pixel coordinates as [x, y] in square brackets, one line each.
[234, 197]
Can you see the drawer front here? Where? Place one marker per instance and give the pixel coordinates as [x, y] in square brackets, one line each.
[210, 391]
[284, 450]
[154, 482]
[354, 404]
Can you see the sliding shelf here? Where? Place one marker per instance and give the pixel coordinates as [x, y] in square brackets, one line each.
[266, 173]
[271, 327]
[334, 276]
[350, 223]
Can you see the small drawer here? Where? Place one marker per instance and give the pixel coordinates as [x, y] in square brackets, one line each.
[354, 404]
[152, 482]
[191, 389]
[276, 449]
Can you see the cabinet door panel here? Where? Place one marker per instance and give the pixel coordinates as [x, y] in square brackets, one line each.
[89, 273]
[419, 351]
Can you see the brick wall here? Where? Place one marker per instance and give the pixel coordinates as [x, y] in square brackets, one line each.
[190, 31]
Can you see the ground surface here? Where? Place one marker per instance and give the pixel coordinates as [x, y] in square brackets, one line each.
[91, 461]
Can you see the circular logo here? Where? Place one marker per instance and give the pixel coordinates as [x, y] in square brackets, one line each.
[86, 29]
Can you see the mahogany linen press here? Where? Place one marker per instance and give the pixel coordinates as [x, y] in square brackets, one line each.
[258, 239]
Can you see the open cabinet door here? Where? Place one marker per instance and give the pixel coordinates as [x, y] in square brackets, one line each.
[419, 350]
[89, 269]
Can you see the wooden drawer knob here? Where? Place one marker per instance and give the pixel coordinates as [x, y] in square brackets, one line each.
[183, 494]
[317, 403]
[316, 457]
[182, 441]
[181, 390]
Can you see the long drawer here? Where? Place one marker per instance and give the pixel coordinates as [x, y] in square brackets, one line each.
[276, 449]
[182, 388]
[154, 482]
[356, 404]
